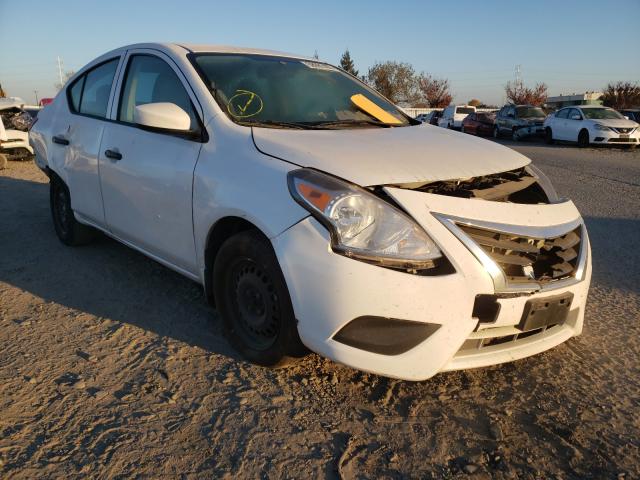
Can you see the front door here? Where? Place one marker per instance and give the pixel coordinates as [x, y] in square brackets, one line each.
[147, 176]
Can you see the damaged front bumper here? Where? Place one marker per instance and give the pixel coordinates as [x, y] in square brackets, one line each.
[329, 292]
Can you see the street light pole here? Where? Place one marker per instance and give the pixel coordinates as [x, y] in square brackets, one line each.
[36, 92]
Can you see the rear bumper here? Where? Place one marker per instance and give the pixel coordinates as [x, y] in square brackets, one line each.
[328, 291]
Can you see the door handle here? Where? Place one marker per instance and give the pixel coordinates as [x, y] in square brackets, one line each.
[113, 155]
[60, 140]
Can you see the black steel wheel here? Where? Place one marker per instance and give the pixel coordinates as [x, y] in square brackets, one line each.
[253, 300]
[548, 136]
[69, 230]
[583, 138]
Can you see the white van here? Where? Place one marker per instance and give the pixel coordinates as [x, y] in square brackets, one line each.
[453, 116]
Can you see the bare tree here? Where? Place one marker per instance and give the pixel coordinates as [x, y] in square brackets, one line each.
[396, 81]
[621, 95]
[347, 63]
[521, 95]
[435, 91]
[65, 77]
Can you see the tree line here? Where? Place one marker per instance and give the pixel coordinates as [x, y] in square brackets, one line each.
[400, 83]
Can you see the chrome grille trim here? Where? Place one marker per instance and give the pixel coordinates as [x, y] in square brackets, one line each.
[500, 280]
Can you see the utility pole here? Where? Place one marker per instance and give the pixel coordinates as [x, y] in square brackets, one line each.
[36, 92]
[519, 76]
[60, 70]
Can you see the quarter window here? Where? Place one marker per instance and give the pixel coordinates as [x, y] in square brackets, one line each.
[150, 80]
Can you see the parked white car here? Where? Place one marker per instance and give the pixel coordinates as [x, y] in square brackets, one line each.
[313, 211]
[453, 115]
[591, 125]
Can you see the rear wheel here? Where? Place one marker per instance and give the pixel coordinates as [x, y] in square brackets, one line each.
[496, 132]
[253, 300]
[548, 136]
[514, 135]
[583, 138]
[462, 129]
[69, 230]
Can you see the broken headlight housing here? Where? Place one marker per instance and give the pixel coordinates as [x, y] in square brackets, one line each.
[362, 225]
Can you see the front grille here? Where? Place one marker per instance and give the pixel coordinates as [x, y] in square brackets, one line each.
[480, 343]
[622, 140]
[526, 259]
[624, 130]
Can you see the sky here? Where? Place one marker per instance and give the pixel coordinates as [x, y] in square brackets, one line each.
[572, 46]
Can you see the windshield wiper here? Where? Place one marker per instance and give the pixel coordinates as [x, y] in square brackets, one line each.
[276, 124]
[349, 123]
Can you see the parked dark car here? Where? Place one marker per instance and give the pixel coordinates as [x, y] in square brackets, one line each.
[519, 121]
[632, 114]
[479, 123]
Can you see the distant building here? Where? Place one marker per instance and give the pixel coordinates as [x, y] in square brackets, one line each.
[587, 98]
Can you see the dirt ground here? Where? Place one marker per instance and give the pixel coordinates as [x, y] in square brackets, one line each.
[112, 366]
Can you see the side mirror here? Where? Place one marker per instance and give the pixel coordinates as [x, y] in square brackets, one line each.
[162, 116]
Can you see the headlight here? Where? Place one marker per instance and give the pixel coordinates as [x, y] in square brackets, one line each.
[599, 126]
[362, 225]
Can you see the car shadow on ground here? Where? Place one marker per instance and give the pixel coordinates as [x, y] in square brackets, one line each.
[108, 280]
[104, 279]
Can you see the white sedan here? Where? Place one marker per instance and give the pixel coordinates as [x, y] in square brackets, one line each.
[591, 125]
[313, 212]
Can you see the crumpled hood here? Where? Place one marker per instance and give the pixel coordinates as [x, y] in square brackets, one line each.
[378, 156]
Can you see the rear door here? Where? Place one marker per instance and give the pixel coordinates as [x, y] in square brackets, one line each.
[559, 127]
[77, 136]
[147, 176]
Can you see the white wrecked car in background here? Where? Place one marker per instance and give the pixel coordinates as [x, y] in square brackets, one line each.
[313, 211]
[16, 122]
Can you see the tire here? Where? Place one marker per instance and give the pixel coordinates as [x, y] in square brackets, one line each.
[3, 162]
[69, 230]
[514, 135]
[496, 132]
[462, 129]
[548, 136]
[583, 138]
[253, 300]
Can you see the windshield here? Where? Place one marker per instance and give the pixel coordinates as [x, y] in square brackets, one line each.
[466, 110]
[528, 112]
[601, 114]
[284, 92]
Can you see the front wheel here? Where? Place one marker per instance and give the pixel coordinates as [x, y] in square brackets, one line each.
[462, 129]
[69, 230]
[496, 132]
[583, 139]
[253, 300]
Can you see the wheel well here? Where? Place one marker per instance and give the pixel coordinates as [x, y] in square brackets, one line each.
[223, 229]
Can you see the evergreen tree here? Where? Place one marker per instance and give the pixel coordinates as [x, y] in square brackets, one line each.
[347, 63]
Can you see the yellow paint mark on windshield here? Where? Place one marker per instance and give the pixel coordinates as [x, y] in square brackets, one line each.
[245, 104]
[363, 103]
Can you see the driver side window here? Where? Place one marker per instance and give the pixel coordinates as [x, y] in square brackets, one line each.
[150, 80]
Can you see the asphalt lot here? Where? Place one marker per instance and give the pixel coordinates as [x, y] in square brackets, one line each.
[113, 366]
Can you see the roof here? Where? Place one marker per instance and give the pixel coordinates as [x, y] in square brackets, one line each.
[199, 48]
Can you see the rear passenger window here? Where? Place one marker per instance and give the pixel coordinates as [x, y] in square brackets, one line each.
[89, 94]
[151, 80]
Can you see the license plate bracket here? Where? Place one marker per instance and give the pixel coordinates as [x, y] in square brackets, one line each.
[546, 311]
